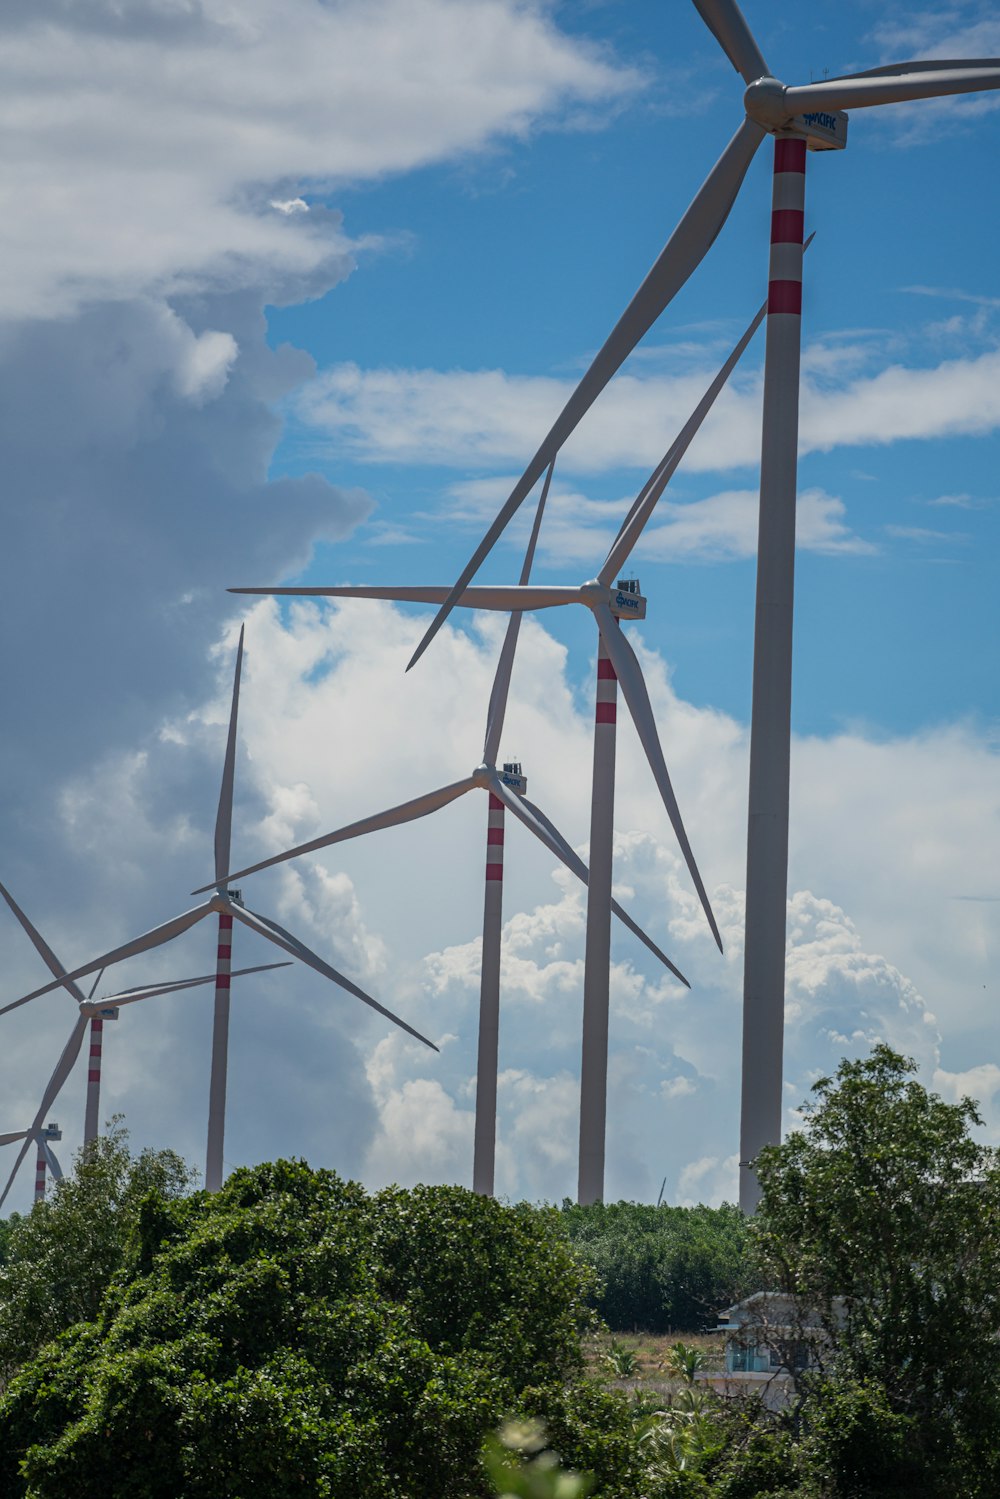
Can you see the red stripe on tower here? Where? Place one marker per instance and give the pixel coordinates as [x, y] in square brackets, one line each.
[787, 226]
[605, 670]
[785, 296]
[789, 154]
[606, 713]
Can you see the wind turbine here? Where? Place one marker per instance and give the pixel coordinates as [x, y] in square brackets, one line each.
[507, 788]
[88, 1009]
[616, 663]
[46, 1157]
[228, 906]
[809, 116]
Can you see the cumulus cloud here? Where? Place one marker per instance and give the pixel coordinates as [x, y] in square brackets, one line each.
[483, 418]
[884, 833]
[165, 148]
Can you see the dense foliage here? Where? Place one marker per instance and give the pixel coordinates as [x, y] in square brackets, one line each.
[883, 1215]
[292, 1335]
[57, 1260]
[662, 1269]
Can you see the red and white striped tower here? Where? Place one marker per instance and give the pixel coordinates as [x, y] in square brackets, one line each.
[50, 1132]
[770, 727]
[597, 968]
[92, 1115]
[220, 1056]
[484, 1151]
[40, 1169]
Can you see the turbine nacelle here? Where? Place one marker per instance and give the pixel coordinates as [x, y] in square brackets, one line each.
[624, 600]
[512, 775]
[767, 104]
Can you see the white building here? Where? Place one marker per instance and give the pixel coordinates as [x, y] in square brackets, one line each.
[771, 1339]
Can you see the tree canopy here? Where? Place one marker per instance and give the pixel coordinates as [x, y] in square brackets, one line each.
[882, 1213]
[57, 1260]
[292, 1335]
[662, 1269]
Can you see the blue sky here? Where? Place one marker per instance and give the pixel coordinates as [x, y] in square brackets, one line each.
[520, 260]
[293, 296]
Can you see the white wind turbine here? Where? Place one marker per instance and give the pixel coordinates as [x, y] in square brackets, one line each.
[807, 116]
[506, 787]
[228, 906]
[616, 663]
[87, 1010]
[102, 1011]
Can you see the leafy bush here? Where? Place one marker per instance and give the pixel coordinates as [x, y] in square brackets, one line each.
[883, 1214]
[662, 1269]
[56, 1261]
[293, 1336]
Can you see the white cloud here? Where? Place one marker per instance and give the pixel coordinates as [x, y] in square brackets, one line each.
[884, 833]
[484, 418]
[166, 148]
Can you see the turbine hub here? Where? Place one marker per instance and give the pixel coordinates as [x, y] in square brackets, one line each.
[764, 101]
[592, 593]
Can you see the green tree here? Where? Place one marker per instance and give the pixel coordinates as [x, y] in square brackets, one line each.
[882, 1213]
[662, 1268]
[291, 1336]
[58, 1259]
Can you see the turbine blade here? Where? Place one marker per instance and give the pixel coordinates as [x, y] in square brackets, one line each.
[282, 938]
[15, 1169]
[420, 806]
[41, 946]
[497, 710]
[687, 246]
[224, 817]
[501, 598]
[630, 678]
[501, 682]
[153, 938]
[93, 987]
[62, 1069]
[403, 595]
[893, 85]
[149, 991]
[547, 832]
[50, 1158]
[633, 528]
[17, 1134]
[727, 24]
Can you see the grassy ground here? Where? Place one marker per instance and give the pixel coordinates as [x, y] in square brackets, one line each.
[650, 1352]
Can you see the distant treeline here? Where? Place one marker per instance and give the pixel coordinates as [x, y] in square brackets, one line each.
[662, 1269]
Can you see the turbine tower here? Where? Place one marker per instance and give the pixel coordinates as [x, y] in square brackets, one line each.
[609, 602]
[91, 1010]
[507, 789]
[228, 906]
[46, 1158]
[801, 118]
[92, 1113]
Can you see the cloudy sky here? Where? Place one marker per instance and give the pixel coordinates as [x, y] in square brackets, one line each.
[291, 292]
